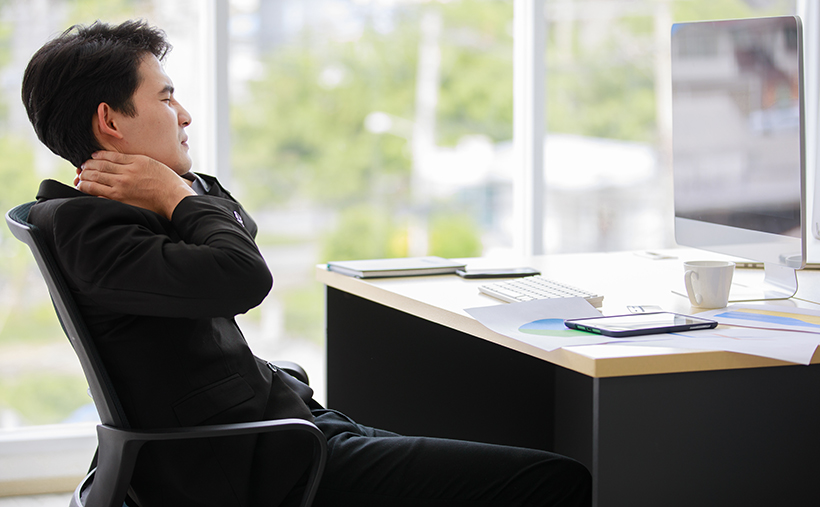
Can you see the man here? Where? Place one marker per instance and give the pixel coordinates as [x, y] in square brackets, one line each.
[161, 260]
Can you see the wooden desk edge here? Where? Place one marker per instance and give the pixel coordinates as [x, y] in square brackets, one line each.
[646, 361]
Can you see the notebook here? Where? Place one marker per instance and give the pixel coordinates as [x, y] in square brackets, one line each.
[405, 266]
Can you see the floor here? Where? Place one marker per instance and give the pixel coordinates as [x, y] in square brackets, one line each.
[56, 500]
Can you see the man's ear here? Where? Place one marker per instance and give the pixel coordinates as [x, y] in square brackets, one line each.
[106, 124]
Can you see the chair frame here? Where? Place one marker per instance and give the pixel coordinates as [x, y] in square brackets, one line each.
[118, 443]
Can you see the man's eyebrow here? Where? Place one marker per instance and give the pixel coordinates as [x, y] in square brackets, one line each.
[167, 89]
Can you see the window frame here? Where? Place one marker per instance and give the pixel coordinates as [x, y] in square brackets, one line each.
[529, 80]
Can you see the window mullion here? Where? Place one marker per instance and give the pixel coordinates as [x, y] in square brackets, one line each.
[528, 125]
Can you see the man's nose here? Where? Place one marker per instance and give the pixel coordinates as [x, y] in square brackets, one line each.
[184, 117]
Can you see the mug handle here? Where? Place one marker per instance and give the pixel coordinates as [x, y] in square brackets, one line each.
[695, 299]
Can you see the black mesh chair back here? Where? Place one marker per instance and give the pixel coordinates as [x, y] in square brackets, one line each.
[105, 400]
[107, 485]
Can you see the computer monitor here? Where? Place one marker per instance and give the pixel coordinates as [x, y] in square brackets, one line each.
[739, 144]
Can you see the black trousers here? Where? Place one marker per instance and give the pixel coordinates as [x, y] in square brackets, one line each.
[371, 467]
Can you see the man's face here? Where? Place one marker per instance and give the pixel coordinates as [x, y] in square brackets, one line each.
[158, 129]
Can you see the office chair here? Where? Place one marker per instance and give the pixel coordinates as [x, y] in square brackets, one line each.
[118, 443]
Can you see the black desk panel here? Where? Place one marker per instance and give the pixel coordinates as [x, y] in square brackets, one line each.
[395, 371]
[743, 437]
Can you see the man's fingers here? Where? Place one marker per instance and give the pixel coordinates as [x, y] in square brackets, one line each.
[94, 182]
[98, 166]
[105, 161]
[111, 156]
[96, 171]
[93, 188]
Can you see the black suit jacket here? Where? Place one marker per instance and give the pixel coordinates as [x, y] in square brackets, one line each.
[159, 298]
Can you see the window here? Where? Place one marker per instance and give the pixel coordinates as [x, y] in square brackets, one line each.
[365, 128]
[40, 378]
[46, 418]
[608, 117]
[372, 129]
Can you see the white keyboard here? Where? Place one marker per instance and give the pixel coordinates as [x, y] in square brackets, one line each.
[536, 287]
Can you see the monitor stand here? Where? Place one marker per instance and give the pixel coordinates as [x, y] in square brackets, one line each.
[779, 282]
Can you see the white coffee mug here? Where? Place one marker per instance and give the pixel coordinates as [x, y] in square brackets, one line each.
[708, 282]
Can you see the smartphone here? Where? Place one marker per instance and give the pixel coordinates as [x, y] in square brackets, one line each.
[497, 273]
[621, 326]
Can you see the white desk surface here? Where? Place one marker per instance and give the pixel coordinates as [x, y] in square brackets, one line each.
[623, 278]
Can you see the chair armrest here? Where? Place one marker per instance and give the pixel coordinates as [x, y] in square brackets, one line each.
[294, 370]
[118, 450]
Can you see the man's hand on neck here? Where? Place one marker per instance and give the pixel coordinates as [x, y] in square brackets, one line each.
[133, 179]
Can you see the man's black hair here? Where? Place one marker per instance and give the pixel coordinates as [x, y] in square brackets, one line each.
[72, 74]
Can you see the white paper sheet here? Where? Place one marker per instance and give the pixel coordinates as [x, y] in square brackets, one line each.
[744, 328]
[765, 316]
[541, 322]
[747, 329]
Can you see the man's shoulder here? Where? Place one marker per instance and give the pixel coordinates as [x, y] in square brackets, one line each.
[53, 196]
[59, 205]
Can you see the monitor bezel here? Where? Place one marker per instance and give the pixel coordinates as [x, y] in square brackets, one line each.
[755, 245]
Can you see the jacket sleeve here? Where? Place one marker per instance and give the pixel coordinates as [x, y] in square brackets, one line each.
[203, 263]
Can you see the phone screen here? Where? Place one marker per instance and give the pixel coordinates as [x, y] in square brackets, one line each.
[640, 323]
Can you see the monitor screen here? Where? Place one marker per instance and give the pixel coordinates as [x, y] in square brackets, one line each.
[738, 147]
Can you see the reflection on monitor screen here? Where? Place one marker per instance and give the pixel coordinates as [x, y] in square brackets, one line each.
[738, 141]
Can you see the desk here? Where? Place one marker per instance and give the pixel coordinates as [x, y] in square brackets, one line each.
[655, 426]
